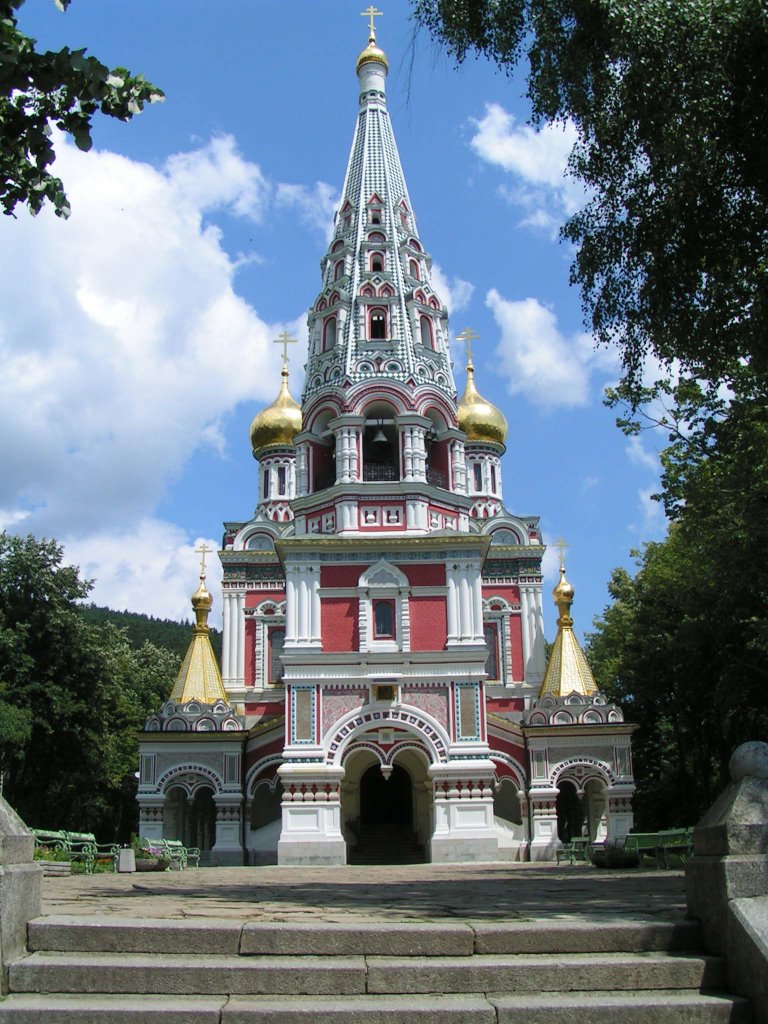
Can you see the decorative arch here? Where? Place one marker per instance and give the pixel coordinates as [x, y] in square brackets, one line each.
[516, 769]
[329, 333]
[418, 723]
[426, 333]
[338, 270]
[251, 778]
[337, 245]
[172, 777]
[377, 323]
[376, 262]
[567, 768]
[383, 574]
[434, 303]
[496, 603]
[420, 297]
[367, 291]
[376, 236]
[386, 291]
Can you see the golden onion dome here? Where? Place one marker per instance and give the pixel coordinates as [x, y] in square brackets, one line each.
[478, 418]
[279, 423]
[201, 599]
[563, 595]
[372, 53]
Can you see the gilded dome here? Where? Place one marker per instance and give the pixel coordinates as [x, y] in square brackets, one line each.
[279, 423]
[478, 418]
[372, 53]
[563, 594]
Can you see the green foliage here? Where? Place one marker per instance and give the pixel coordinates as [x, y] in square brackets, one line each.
[40, 90]
[670, 100]
[167, 633]
[75, 694]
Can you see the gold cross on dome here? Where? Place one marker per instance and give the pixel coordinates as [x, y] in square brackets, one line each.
[561, 545]
[203, 550]
[468, 336]
[285, 340]
[372, 13]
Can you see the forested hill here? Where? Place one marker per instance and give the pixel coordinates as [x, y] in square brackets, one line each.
[173, 636]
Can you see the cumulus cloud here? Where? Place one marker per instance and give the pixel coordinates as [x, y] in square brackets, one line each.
[316, 205]
[149, 566]
[122, 339]
[538, 361]
[455, 292]
[537, 162]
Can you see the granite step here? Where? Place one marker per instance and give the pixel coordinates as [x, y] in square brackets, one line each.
[109, 934]
[659, 1007]
[185, 974]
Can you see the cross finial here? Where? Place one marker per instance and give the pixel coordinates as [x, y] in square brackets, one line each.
[285, 340]
[561, 545]
[203, 550]
[468, 336]
[372, 13]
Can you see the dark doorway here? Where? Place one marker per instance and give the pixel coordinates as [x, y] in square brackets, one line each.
[570, 813]
[386, 801]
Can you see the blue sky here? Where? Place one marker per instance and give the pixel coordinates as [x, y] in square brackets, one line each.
[136, 337]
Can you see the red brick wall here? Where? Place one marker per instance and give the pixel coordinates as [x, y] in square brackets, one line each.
[429, 626]
[516, 635]
[341, 575]
[427, 575]
[250, 654]
[338, 623]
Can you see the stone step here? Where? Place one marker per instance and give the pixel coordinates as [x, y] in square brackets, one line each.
[109, 934]
[660, 1007]
[353, 975]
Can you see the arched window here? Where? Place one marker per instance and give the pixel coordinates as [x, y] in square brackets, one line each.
[414, 244]
[386, 292]
[375, 216]
[377, 322]
[321, 304]
[426, 332]
[367, 290]
[434, 303]
[492, 641]
[377, 261]
[375, 236]
[329, 334]
[413, 269]
[335, 297]
[337, 245]
[383, 619]
[338, 270]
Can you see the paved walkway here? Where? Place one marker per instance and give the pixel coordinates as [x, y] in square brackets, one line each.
[423, 892]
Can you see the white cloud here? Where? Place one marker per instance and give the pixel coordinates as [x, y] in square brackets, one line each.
[537, 162]
[152, 567]
[123, 342]
[316, 205]
[653, 523]
[640, 455]
[550, 562]
[538, 360]
[455, 292]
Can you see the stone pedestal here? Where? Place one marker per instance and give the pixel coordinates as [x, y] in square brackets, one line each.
[20, 887]
[311, 832]
[727, 878]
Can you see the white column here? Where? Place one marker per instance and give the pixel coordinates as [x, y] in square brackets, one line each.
[408, 462]
[465, 606]
[241, 639]
[354, 460]
[538, 656]
[453, 606]
[315, 632]
[419, 454]
[226, 637]
[459, 468]
[525, 618]
[290, 607]
[477, 594]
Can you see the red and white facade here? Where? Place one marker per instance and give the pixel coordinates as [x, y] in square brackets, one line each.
[383, 620]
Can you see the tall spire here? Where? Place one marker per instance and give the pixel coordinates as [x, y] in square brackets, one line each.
[568, 670]
[377, 314]
[199, 677]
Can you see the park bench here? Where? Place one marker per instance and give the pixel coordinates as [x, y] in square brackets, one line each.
[678, 841]
[643, 844]
[179, 855]
[573, 850]
[80, 846]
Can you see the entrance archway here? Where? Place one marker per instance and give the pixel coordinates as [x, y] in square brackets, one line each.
[386, 801]
[570, 813]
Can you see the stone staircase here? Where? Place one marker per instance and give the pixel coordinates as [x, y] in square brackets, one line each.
[387, 844]
[112, 970]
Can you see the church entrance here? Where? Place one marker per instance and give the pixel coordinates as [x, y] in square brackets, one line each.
[386, 832]
[570, 813]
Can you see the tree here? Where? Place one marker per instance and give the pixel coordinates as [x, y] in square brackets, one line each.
[72, 697]
[670, 100]
[41, 90]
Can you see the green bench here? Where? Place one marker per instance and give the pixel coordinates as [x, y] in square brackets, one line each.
[80, 846]
[661, 845]
[573, 850]
[179, 855]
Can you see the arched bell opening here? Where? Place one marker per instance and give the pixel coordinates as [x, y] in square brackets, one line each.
[438, 451]
[323, 452]
[381, 448]
[265, 821]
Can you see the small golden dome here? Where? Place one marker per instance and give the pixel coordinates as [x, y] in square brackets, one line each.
[202, 597]
[279, 423]
[478, 418]
[372, 53]
[563, 595]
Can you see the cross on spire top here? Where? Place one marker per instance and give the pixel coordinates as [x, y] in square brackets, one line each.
[203, 550]
[468, 336]
[371, 13]
[561, 545]
[285, 340]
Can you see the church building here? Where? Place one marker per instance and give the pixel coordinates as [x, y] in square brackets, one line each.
[384, 693]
